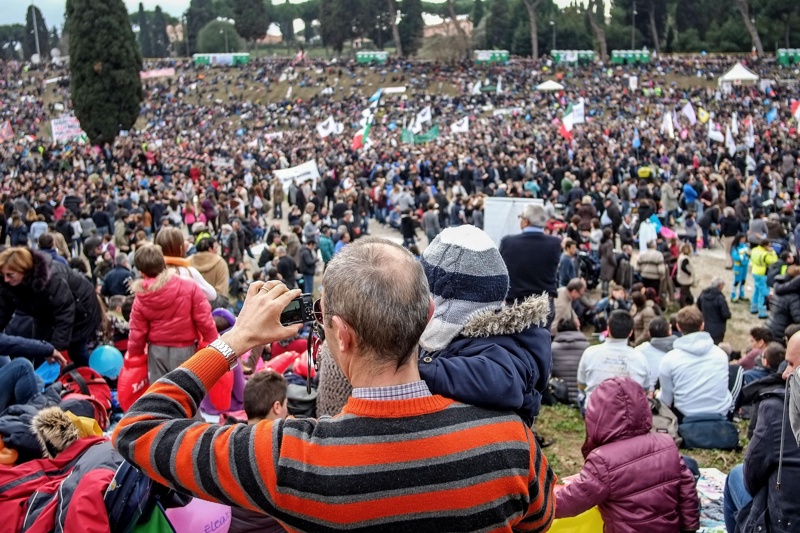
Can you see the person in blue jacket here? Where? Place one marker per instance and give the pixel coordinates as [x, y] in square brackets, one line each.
[36, 351]
[690, 195]
[475, 349]
[740, 255]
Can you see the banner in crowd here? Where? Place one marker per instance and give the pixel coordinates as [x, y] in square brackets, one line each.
[633, 83]
[6, 131]
[65, 129]
[408, 137]
[301, 173]
[157, 73]
[394, 90]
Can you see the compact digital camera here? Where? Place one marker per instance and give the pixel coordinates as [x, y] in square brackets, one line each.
[299, 310]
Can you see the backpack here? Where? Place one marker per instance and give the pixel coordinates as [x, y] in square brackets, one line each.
[556, 392]
[664, 420]
[131, 498]
[709, 432]
[86, 384]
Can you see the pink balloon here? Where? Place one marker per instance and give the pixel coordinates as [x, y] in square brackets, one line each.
[200, 516]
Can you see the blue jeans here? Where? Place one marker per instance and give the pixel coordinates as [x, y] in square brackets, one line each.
[308, 284]
[277, 211]
[17, 383]
[760, 293]
[739, 279]
[735, 496]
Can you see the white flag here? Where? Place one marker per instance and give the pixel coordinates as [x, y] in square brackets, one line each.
[735, 124]
[424, 116]
[729, 143]
[289, 93]
[675, 123]
[666, 126]
[714, 134]
[579, 113]
[476, 88]
[688, 111]
[460, 126]
[750, 136]
[328, 127]
[500, 85]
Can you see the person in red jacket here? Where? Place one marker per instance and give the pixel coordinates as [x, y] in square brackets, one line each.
[636, 478]
[170, 316]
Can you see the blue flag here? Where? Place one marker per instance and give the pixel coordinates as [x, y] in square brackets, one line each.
[637, 142]
[772, 115]
[377, 96]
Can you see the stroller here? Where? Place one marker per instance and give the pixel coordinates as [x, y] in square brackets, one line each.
[589, 269]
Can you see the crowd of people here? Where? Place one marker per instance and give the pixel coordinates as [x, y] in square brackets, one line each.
[180, 244]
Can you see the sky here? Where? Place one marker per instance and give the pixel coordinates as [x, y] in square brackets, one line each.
[13, 12]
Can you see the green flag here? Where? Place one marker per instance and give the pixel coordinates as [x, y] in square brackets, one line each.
[407, 137]
[430, 135]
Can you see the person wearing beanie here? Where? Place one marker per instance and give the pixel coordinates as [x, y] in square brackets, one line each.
[475, 349]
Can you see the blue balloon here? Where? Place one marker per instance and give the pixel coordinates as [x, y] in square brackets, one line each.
[106, 361]
[392, 126]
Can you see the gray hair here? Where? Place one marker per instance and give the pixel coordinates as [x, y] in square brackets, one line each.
[121, 259]
[717, 281]
[381, 292]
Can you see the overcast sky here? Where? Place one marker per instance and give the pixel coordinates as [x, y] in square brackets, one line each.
[13, 11]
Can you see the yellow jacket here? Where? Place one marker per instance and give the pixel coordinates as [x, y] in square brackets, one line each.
[761, 259]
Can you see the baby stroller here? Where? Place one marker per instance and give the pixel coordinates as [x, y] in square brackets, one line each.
[589, 269]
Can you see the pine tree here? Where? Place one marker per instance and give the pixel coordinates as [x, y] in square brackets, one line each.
[477, 13]
[145, 33]
[411, 26]
[29, 42]
[104, 63]
[200, 13]
[497, 25]
[334, 24]
[54, 37]
[159, 33]
[251, 19]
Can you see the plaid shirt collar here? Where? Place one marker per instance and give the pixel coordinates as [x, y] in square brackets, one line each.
[406, 391]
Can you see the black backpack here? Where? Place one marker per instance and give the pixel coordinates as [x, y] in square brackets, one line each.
[131, 498]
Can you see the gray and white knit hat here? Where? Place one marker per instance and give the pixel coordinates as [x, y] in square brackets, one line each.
[467, 276]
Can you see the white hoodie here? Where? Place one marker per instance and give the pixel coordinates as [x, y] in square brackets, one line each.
[694, 376]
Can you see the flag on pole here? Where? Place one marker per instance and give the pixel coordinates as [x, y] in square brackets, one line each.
[328, 127]
[361, 138]
[289, 93]
[702, 115]
[575, 114]
[6, 131]
[500, 85]
[667, 127]
[688, 112]
[675, 123]
[734, 124]
[637, 141]
[476, 88]
[377, 96]
[424, 116]
[714, 134]
[460, 126]
[750, 136]
[772, 115]
[795, 107]
[729, 142]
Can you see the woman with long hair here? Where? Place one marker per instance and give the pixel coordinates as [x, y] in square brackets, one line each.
[173, 246]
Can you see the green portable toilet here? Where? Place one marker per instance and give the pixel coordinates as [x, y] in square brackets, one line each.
[783, 56]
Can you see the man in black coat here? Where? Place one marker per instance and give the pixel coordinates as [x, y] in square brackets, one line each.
[117, 282]
[761, 494]
[531, 257]
[715, 310]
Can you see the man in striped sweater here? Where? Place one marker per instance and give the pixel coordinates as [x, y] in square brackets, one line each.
[396, 459]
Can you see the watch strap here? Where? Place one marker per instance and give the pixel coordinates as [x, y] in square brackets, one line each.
[226, 351]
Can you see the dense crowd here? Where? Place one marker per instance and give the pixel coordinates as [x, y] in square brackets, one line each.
[153, 245]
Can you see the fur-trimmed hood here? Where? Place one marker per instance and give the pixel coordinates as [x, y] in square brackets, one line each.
[54, 430]
[141, 286]
[509, 319]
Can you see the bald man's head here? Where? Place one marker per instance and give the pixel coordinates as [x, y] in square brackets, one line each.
[792, 355]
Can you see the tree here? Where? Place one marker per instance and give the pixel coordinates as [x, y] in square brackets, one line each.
[497, 25]
[744, 10]
[531, 6]
[477, 13]
[398, 43]
[104, 63]
[145, 33]
[200, 13]
[411, 26]
[334, 24]
[29, 43]
[251, 19]
[11, 37]
[217, 37]
[596, 15]
[54, 38]
[159, 34]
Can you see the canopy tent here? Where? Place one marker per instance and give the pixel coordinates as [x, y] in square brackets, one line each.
[737, 75]
[549, 85]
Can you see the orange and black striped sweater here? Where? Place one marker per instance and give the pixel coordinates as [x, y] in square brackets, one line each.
[423, 464]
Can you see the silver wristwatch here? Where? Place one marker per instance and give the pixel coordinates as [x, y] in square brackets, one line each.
[227, 352]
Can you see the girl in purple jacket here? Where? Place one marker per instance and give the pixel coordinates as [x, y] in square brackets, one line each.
[636, 478]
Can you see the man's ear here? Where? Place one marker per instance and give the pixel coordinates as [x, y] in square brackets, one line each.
[276, 407]
[343, 333]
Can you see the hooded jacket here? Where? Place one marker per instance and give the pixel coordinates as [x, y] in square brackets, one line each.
[214, 270]
[771, 470]
[636, 478]
[567, 348]
[499, 360]
[61, 302]
[694, 376]
[654, 350]
[169, 311]
[715, 312]
[784, 306]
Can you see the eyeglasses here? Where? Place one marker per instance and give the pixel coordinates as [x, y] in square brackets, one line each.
[315, 339]
[318, 311]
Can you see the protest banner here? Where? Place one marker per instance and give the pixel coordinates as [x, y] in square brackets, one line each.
[6, 132]
[301, 173]
[65, 129]
[157, 73]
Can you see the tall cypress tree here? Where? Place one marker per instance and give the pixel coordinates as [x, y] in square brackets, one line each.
[29, 43]
[498, 31]
[477, 13]
[159, 33]
[410, 26]
[145, 33]
[104, 63]
[334, 24]
[200, 13]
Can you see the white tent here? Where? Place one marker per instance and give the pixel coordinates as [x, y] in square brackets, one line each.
[737, 75]
[549, 85]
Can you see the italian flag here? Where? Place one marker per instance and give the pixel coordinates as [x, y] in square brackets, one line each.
[796, 110]
[567, 122]
[361, 138]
